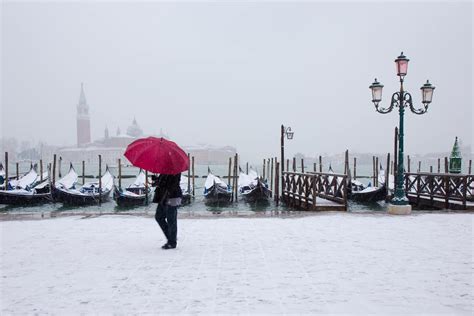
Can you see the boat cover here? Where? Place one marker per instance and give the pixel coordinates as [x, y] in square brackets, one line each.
[211, 179]
[183, 184]
[69, 180]
[27, 181]
[139, 180]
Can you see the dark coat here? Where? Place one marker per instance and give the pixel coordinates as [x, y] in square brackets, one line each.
[167, 187]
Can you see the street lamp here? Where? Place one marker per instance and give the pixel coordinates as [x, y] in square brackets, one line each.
[401, 100]
[288, 133]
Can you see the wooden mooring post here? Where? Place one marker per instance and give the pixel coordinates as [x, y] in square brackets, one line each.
[377, 170]
[287, 164]
[83, 172]
[230, 172]
[247, 168]
[100, 179]
[302, 165]
[41, 170]
[446, 169]
[235, 189]
[192, 167]
[408, 163]
[120, 174]
[146, 187]
[470, 167]
[54, 170]
[189, 173]
[6, 171]
[277, 183]
[320, 164]
[17, 171]
[346, 162]
[294, 164]
[271, 176]
[263, 173]
[314, 167]
[419, 166]
[355, 168]
[373, 171]
[59, 167]
[439, 165]
[268, 168]
[387, 177]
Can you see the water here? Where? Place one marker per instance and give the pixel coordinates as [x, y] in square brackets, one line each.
[197, 206]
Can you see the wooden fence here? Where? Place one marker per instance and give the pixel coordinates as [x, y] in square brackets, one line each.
[441, 190]
[301, 189]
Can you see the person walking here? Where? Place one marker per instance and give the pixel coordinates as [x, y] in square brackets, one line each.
[168, 196]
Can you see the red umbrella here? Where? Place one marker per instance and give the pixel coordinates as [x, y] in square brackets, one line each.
[157, 155]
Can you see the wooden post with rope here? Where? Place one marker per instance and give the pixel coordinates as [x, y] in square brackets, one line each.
[100, 179]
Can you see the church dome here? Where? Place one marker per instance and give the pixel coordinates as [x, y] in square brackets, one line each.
[134, 130]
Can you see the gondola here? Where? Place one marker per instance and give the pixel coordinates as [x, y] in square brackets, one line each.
[27, 190]
[2, 175]
[187, 192]
[252, 188]
[216, 192]
[135, 194]
[88, 194]
[367, 194]
[356, 191]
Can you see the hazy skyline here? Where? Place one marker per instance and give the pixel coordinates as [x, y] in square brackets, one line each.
[231, 73]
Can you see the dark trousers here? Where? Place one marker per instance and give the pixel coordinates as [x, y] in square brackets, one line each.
[166, 217]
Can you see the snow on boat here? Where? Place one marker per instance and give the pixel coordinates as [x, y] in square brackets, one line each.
[216, 191]
[2, 175]
[29, 180]
[381, 179]
[187, 192]
[359, 193]
[252, 188]
[27, 190]
[135, 194]
[88, 194]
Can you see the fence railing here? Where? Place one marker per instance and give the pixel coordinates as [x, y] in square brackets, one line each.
[302, 189]
[441, 186]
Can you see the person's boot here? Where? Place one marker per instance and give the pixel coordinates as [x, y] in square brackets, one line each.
[169, 246]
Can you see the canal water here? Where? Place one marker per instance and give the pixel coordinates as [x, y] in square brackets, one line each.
[197, 206]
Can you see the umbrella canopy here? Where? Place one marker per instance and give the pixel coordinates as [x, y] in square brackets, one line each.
[157, 155]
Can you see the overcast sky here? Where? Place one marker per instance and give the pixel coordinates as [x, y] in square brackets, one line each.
[231, 73]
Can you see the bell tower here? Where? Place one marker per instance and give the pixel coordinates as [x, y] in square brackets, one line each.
[83, 120]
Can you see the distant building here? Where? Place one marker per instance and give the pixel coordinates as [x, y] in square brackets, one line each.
[111, 147]
[210, 155]
[83, 120]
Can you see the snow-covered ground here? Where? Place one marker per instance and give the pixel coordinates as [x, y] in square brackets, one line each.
[327, 263]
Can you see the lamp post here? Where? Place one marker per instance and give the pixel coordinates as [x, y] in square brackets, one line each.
[401, 99]
[285, 132]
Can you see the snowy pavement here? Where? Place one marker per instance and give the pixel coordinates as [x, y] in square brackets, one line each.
[327, 263]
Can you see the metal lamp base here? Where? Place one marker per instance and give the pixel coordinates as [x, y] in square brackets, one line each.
[399, 209]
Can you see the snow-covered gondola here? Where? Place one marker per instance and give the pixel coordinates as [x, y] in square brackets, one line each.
[187, 192]
[356, 191]
[216, 192]
[88, 194]
[133, 195]
[27, 190]
[252, 188]
[369, 194]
